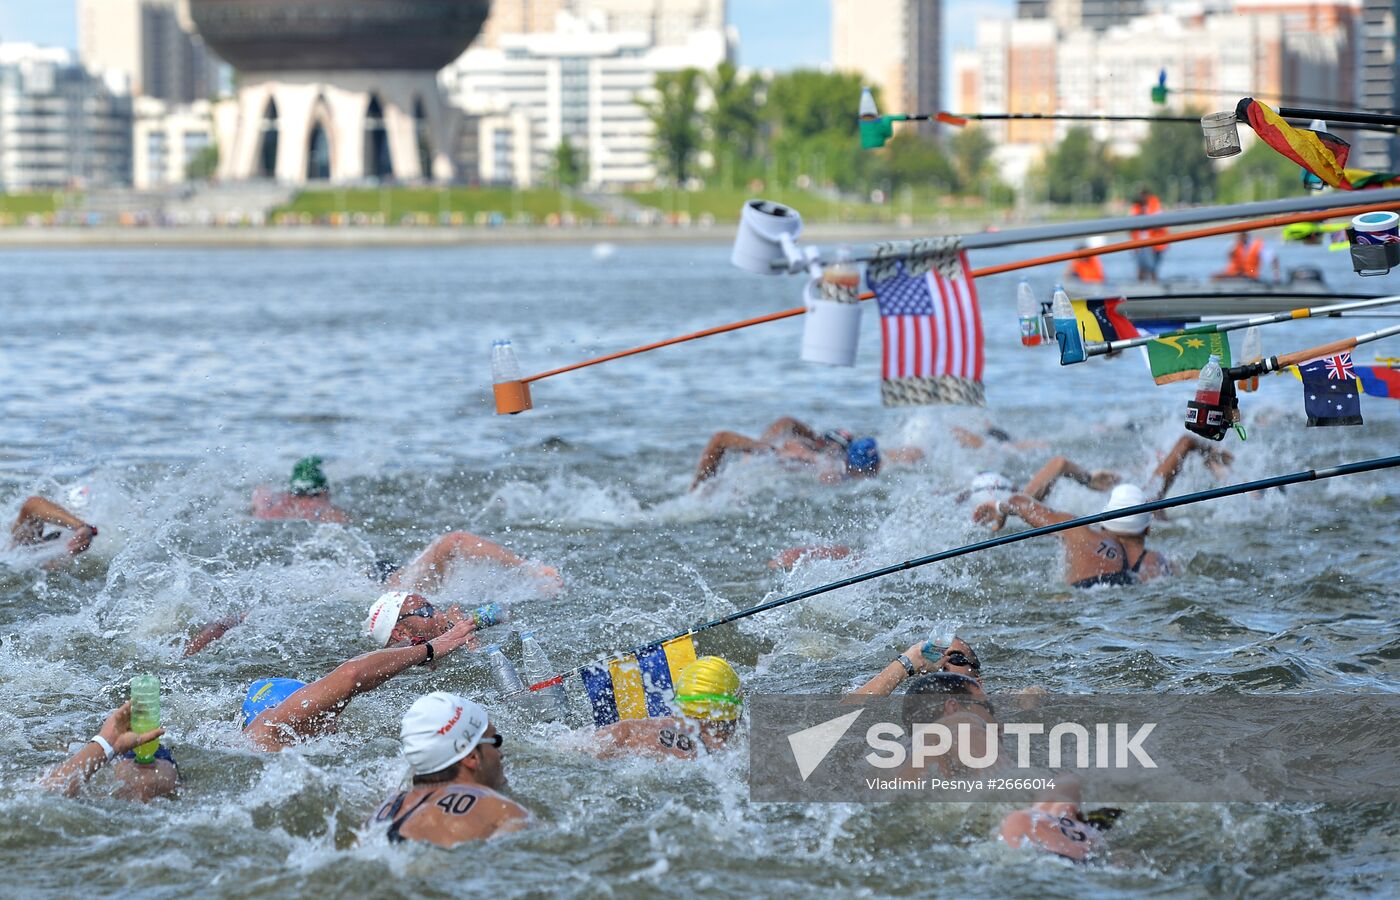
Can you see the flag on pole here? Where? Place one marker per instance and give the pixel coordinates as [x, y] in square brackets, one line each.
[1330, 392]
[1101, 321]
[1379, 381]
[1322, 154]
[1180, 356]
[929, 322]
[637, 687]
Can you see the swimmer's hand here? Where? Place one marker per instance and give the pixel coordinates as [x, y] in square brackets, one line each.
[990, 513]
[554, 583]
[457, 636]
[117, 731]
[81, 539]
[919, 661]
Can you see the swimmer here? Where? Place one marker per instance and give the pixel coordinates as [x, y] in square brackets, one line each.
[836, 455]
[278, 712]
[454, 754]
[958, 659]
[308, 496]
[401, 619]
[427, 572]
[958, 703]
[116, 743]
[1059, 826]
[1113, 553]
[710, 700]
[36, 512]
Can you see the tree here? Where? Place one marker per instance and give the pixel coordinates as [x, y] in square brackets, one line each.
[1260, 173]
[812, 118]
[568, 165]
[1173, 165]
[675, 119]
[734, 116]
[204, 164]
[972, 158]
[1078, 170]
[911, 158]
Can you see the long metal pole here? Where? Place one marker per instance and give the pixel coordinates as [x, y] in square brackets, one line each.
[1102, 348]
[1088, 227]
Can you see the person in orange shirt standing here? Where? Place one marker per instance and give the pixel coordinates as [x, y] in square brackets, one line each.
[1246, 258]
[1149, 259]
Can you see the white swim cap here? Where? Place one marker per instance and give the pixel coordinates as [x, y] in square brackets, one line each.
[79, 496]
[439, 729]
[384, 615]
[989, 486]
[1123, 496]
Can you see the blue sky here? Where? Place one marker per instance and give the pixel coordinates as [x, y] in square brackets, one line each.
[777, 34]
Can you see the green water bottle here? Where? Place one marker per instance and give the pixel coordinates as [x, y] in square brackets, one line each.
[145, 713]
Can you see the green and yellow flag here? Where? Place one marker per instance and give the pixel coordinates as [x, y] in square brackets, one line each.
[1179, 356]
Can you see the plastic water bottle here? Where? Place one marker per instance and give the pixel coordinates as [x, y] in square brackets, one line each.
[1028, 311]
[502, 672]
[1210, 383]
[145, 713]
[1066, 328]
[504, 366]
[552, 704]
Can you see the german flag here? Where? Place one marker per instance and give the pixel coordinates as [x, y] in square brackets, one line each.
[1101, 321]
[1322, 154]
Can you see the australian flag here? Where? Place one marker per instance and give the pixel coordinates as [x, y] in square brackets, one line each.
[1330, 392]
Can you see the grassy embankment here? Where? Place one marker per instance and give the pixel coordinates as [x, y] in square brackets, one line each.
[16, 207]
[423, 205]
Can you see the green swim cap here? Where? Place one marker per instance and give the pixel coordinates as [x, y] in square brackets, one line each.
[307, 478]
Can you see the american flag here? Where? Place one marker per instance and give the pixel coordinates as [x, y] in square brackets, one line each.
[932, 330]
[1339, 367]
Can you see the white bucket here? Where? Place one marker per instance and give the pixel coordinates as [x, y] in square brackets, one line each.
[831, 331]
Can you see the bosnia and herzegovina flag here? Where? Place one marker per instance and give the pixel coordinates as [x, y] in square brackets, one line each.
[1180, 356]
[640, 686]
[1101, 321]
[1322, 154]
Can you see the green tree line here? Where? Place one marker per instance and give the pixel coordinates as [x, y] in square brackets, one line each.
[799, 128]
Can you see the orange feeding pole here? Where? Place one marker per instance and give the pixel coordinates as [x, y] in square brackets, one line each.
[514, 396]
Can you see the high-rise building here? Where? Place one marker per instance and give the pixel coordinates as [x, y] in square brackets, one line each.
[896, 46]
[60, 125]
[1378, 83]
[1095, 15]
[152, 44]
[1211, 60]
[664, 22]
[166, 139]
[579, 83]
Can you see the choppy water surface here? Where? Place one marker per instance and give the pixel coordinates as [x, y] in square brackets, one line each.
[173, 381]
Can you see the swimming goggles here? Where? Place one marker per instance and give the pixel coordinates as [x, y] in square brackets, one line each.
[426, 611]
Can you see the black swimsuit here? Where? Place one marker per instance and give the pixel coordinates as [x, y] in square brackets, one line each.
[392, 811]
[1123, 577]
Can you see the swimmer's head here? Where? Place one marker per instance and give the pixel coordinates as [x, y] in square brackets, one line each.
[1001, 436]
[1123, 496]
[708, 690]
[381, 570]
[928, 697]
[441, 729]
[400, 616]
[863, 457]
[79, 497]
[988, 486]
[307, 478]
[269, 693]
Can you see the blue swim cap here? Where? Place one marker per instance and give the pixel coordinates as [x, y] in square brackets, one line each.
[268, 694]
[863, 456]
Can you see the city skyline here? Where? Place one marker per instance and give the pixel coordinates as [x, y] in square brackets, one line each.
[774, 34]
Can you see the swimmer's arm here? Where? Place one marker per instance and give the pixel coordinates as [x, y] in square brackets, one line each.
[427, 572]
[37, 510]
[211, 633]
[968, 439]
[1063, 467]
[71, 774]
[894, 673]
[994, 512]
[303, 710]
[1169, 468]
[903, 454]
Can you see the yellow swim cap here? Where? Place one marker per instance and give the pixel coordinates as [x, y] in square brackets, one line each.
[709, 689]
